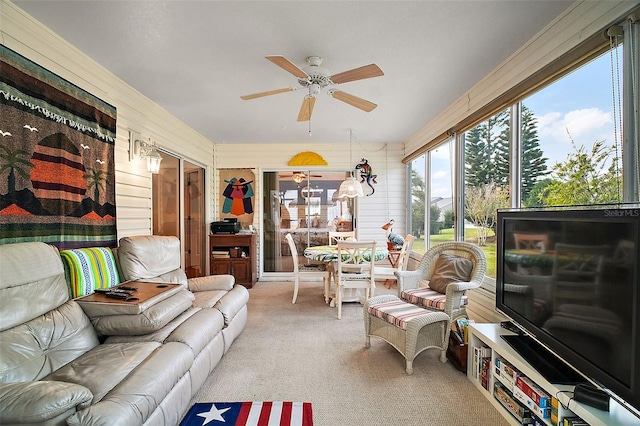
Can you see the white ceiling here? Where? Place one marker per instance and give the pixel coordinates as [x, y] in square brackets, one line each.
[196, 58]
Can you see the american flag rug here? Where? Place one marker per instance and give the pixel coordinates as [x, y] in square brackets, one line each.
[257, 413]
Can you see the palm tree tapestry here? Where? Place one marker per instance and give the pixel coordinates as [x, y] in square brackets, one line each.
[57, 181]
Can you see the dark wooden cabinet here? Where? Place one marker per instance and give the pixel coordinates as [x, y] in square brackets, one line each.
[234, 254]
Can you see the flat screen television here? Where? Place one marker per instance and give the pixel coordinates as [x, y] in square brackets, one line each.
[569, 279]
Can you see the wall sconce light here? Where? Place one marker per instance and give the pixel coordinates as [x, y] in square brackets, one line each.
[139, 149]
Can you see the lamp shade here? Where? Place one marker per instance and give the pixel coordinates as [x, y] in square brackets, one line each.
[350, 188]
[153, 161]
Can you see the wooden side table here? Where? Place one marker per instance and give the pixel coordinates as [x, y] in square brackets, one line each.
[238, 259]
[393, 256]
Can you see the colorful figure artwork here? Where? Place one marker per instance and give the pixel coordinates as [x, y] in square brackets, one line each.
[366, 174]
[238, 195]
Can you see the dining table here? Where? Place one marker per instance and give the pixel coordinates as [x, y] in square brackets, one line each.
[329, 255]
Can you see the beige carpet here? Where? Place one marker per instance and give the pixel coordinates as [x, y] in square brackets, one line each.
[302, 352]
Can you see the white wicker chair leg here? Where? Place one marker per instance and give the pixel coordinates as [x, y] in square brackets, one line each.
[409, 367]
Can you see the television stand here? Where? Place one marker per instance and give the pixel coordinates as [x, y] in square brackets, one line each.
[490, 335]
[547, 364]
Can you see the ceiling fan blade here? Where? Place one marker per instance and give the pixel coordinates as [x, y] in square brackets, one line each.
[287, 65]
[355, 101]
[307, 108]
[366, 71]
[269, 93]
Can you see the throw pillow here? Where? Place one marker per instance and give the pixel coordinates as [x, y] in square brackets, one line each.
[449, 268]
[88, 269]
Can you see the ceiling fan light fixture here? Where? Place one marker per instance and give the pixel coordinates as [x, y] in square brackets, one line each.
[298, 177]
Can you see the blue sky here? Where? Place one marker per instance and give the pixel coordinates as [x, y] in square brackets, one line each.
[580, 103]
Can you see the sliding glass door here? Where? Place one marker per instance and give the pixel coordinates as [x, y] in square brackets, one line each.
[305, 204]
[179, 179]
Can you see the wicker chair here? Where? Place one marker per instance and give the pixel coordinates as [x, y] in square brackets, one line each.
[454, 302]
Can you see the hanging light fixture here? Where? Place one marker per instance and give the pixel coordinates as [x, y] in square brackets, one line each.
[350, 188]
[298, 177]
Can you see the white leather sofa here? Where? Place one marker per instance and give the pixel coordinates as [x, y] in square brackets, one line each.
[157, 259]
[59, 365]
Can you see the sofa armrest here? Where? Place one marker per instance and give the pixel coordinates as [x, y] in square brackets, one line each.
[232, 302]
[39, 401]
[211, 282]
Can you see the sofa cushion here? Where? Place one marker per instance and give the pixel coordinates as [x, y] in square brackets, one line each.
[156, 336]
[32, 350]
[31, 282]
[141, 391]
[429, 298]
[207, 299]
[37, 402]
[397, 312]
[104, 367]
[449, 268]
[146, 257]
[90, 268]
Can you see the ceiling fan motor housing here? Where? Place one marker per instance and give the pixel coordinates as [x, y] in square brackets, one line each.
[318, 76]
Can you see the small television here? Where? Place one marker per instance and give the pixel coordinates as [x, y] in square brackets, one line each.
[569, 279]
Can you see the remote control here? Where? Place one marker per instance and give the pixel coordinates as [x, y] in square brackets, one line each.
[114, 290]
[117, 295]
[124, 287]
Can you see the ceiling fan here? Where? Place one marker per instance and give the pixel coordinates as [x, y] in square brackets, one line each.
[314, 79]
[298, 177]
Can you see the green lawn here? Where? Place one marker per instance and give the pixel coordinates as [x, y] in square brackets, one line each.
[470, 234]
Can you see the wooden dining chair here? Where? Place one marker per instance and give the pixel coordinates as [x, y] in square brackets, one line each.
[355, 269]
[538, 242]
[335, 236]
[301, 271]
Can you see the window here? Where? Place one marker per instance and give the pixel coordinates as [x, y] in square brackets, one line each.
[571, 139]
[417, 197]
[566, 151]
[486, 182]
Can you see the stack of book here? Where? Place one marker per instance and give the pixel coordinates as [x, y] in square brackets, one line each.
[482, 365]
[506, 373]
[533, 397]
[526, 400]
[462, 327]
[220, 254]
[574, 421]
[517, 410]
[559, 413]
